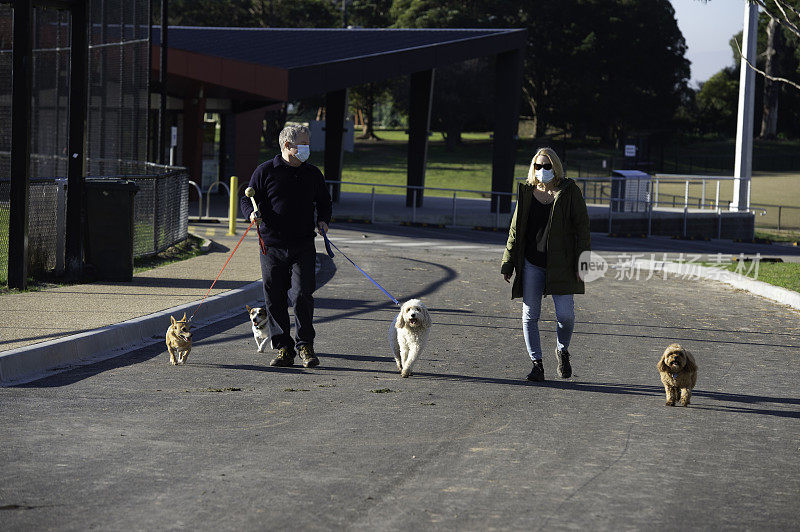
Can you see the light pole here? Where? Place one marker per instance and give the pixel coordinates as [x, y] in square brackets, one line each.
[743, 165]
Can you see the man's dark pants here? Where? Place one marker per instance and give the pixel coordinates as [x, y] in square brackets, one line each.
[282, 268]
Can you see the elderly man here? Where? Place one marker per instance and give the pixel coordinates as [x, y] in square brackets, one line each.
[292, 201]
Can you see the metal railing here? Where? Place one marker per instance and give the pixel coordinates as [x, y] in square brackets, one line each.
[595, 190]
[494, 195]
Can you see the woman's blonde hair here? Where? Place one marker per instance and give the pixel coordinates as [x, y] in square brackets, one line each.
[558, 168]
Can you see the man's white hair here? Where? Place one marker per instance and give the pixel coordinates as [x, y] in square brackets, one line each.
[290, 134]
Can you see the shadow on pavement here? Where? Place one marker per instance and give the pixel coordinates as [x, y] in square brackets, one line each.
[42, 337]
[356, 307]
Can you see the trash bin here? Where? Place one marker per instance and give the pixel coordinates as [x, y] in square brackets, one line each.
[109, 227]
[630, 190]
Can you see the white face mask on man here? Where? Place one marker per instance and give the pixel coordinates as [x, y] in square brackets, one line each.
[303, 152]
[545, 176]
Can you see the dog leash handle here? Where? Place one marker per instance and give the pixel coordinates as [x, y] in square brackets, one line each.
[327, 244]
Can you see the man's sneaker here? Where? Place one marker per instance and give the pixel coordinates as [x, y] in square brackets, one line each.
[564, 368]
[537, 373]
[285, 357]
[307, 356]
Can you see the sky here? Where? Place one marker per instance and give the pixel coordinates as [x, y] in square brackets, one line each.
[707, 28]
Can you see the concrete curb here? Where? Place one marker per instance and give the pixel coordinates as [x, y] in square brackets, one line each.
[33, 362]
[759, 288]
[205, 244]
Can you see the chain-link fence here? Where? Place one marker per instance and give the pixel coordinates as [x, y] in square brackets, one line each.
[116, 133]
[119, 71]
[161, 213]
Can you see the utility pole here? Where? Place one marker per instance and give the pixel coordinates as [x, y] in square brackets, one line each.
[743, 165]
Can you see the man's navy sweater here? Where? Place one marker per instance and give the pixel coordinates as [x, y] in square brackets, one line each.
[287, 197]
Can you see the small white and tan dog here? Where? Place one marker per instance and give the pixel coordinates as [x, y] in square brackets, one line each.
[408, 335]
[258, 322]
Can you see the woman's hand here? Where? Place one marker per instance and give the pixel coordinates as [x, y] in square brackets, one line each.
[507, 277]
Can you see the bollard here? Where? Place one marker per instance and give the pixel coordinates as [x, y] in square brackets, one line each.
[685, 220]
[232, 205]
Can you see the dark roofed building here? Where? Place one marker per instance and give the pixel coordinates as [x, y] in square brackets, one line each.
[240, 71]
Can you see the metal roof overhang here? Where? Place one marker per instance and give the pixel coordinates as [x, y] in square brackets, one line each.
[257, 63]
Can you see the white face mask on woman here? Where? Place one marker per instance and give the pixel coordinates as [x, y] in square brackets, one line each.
[545, 176]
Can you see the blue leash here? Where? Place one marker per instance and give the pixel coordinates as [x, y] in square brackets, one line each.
[328, 245]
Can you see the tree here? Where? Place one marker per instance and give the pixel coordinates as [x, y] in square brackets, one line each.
[462, 93]
[630, 71]
[769, 119]
[785, 13]
[716, 102]
[295, 13]
[231, 13]
[369, 14]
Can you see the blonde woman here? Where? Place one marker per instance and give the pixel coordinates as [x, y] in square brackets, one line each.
[548, 232]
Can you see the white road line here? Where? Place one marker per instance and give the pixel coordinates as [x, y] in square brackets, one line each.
[361, 241]
[467, 246]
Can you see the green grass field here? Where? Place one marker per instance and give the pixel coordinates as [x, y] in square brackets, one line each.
[468, 166]
[783, 274]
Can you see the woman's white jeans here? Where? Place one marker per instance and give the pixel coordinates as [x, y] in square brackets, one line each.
[532, 294]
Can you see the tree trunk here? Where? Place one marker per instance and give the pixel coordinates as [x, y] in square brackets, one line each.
[369, 114]
[452, 138]
[769, 120]
[271, 127]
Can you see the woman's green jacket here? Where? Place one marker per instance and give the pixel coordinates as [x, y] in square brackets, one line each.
[567, 239]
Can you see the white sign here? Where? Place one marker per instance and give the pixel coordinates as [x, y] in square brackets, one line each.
[174, 140]
[630, 150]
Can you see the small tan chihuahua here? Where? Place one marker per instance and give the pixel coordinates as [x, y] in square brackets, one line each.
[179, 340]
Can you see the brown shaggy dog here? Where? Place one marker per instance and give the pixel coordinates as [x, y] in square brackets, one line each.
[678, 372]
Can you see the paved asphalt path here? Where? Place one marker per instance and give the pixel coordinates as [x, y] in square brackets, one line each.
[226, 442]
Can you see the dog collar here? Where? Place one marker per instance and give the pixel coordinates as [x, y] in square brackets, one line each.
[674, 375]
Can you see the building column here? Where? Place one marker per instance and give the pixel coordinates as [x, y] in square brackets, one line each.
[335, 108]
[194, 109]
[419, 122]
[246, 145]
[508, 86]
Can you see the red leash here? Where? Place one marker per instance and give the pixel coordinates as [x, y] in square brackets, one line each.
[263, 251]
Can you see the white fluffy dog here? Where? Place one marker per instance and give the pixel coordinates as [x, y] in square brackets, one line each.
[408, 334]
